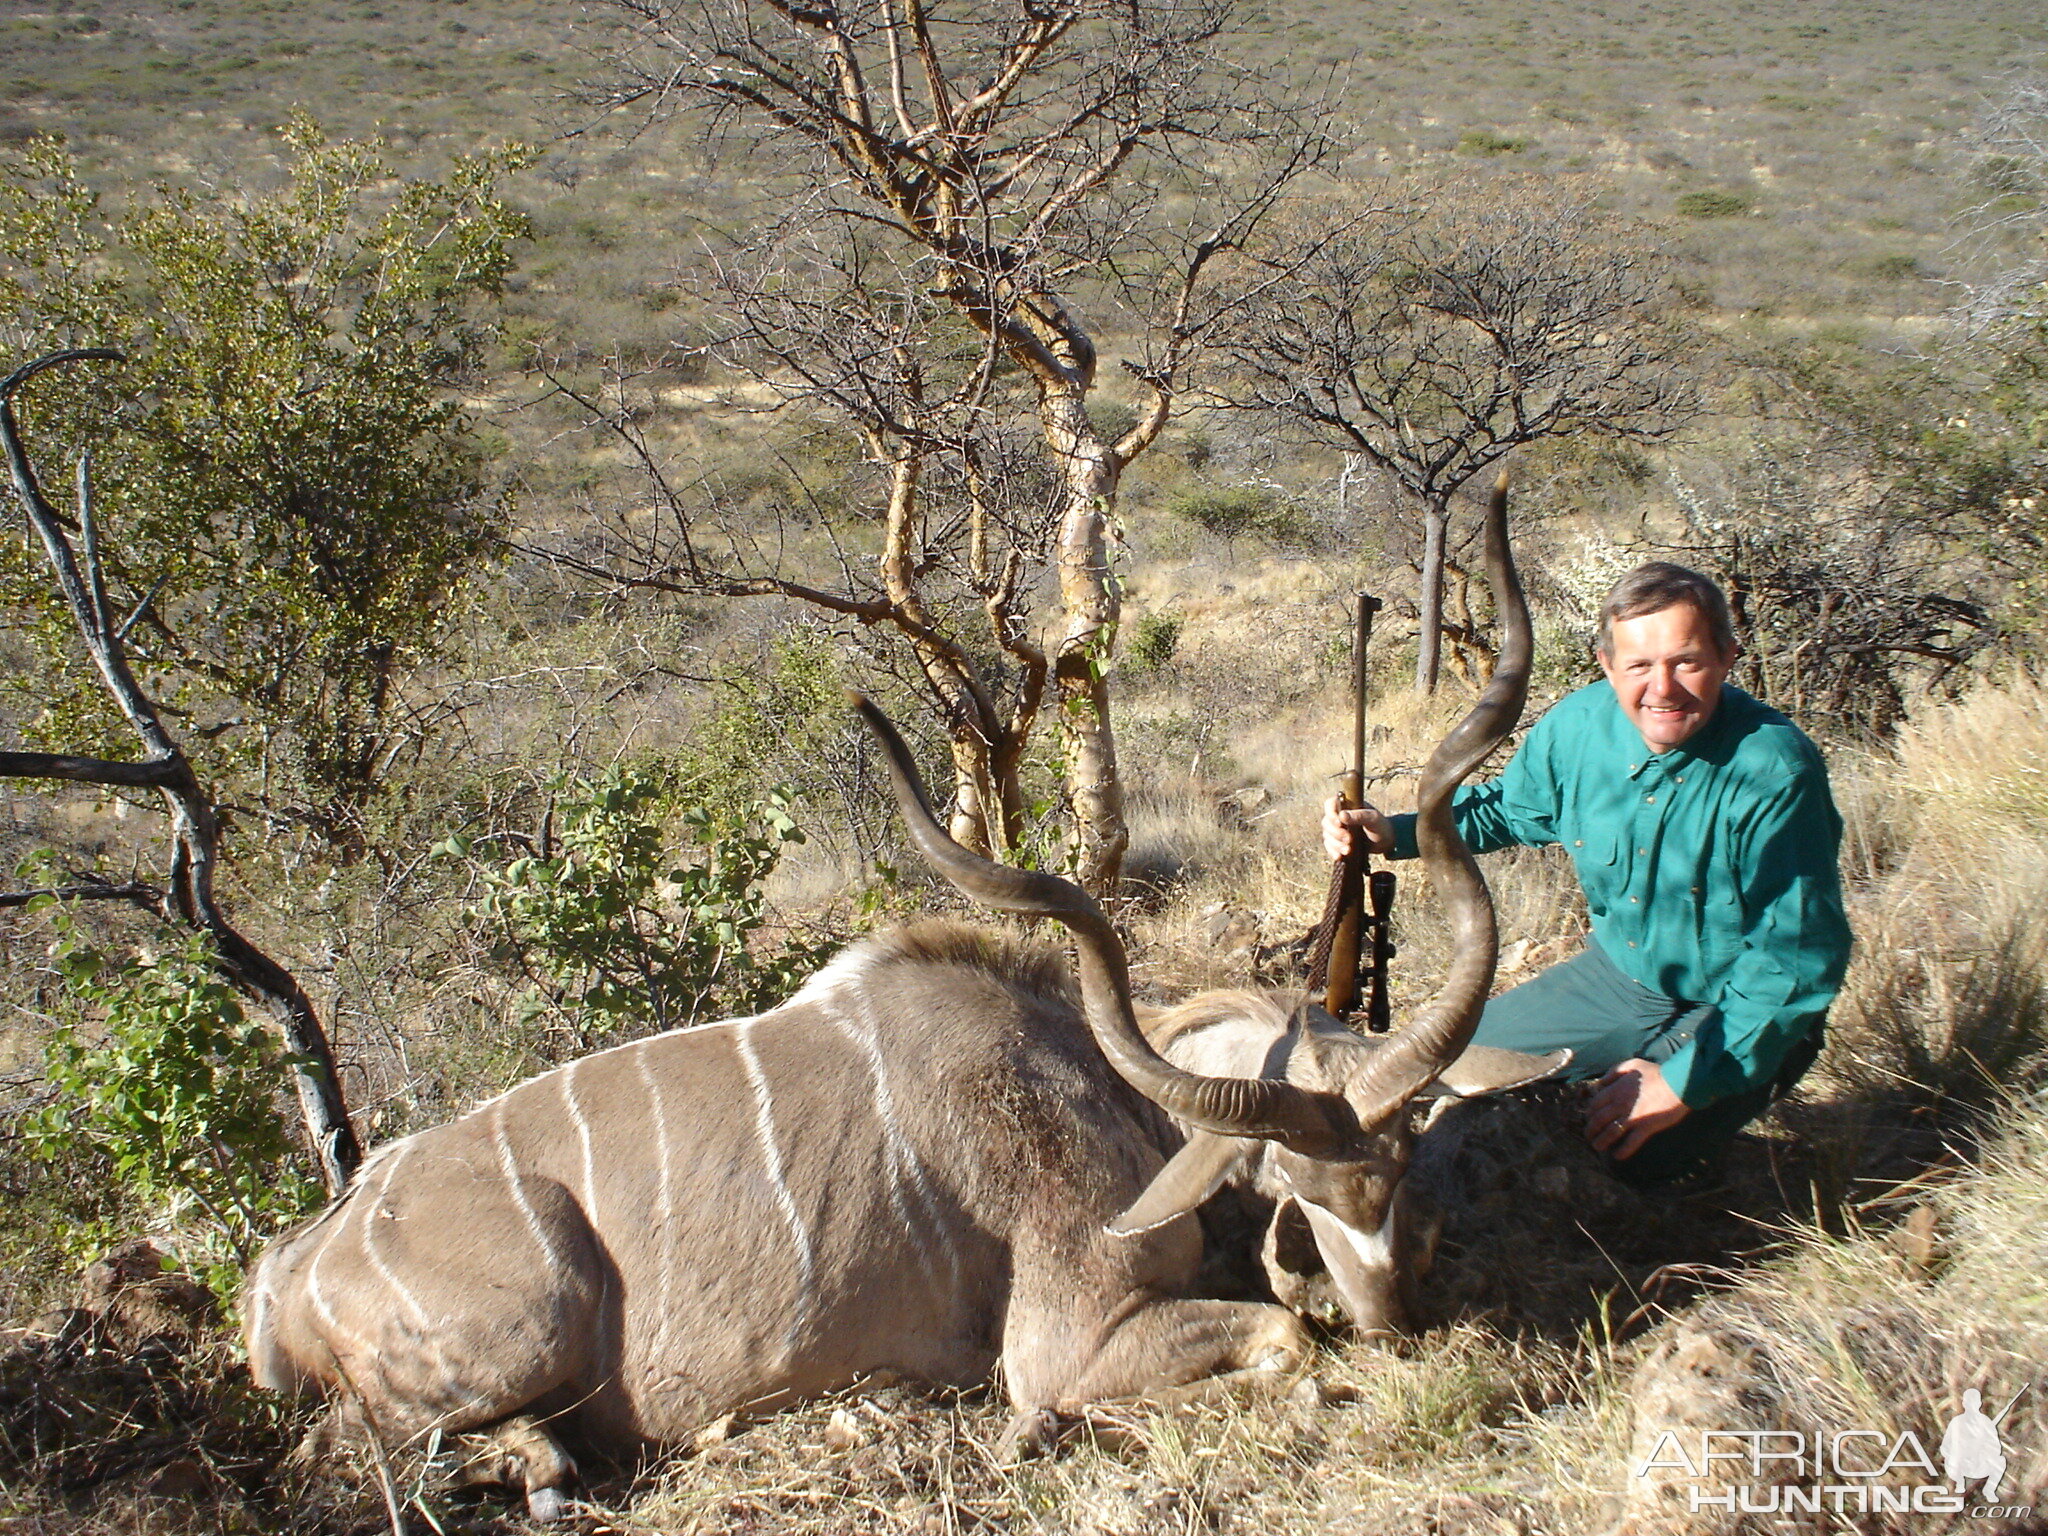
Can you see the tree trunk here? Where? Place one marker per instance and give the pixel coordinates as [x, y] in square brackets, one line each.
[1092, 604]
[195, 836]
[971, 825]
[1429, 601]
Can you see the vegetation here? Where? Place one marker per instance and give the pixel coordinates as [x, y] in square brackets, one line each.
[299, 501]
[925, 292]
[1432, 340]
[176, 1106]
[490, 810]
[1714, 203]
[620, 932]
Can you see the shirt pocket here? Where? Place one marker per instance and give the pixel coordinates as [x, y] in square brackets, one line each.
[1721, 925]
[1596, 855]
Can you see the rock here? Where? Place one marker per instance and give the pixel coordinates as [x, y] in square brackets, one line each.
[1692, 1381]
[1229, 929]
[1240, 808]
[181, 1479]
[136, 1301]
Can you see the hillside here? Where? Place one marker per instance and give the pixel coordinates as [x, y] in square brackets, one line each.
[1835, 124]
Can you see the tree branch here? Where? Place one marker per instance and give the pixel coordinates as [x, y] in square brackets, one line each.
[157, 774]
[148, 897]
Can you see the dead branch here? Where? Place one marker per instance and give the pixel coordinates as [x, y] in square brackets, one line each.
[189, 899]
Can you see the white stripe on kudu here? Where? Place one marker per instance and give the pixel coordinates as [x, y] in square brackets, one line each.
[904, 1163]
[508, 1164]
[568, 1080]
[771, 1155]
[664, 1205]
[375, 1211]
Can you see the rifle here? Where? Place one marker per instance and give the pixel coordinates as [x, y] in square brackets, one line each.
[1363, 938]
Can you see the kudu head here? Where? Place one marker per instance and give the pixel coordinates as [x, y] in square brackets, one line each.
[1332, 1108]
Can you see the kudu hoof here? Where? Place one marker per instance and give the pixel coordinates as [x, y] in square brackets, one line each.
[1033, 1433]
[544, 1506]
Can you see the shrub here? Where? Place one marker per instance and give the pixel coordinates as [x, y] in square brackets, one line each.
[1239, 511]
[622, 930]
[300, 496]
[177, 1101]
[1484, 141]
[1715, 203]
[1893, 268]
[2004, 175]
[1153, 639]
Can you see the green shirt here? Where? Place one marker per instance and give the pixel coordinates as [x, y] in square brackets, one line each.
[1710, 869]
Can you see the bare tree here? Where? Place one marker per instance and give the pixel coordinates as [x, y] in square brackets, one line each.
[1433, 339]
[952, 515]
[1011, 157]
[188, 898]
[2008, 169]
[1844, 596]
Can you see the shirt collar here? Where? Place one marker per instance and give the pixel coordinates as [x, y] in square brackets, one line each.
[1647, 766]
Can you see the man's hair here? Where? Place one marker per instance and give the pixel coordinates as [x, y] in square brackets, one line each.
[1659, 585]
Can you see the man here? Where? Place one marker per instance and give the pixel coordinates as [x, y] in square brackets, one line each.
[1704, 836]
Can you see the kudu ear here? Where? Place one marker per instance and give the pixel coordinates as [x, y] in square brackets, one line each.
[1484, 1069]
[1192, 1175]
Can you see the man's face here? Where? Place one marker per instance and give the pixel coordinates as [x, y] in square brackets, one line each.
[1667, 673]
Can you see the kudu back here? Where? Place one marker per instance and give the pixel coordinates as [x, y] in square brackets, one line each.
[939, 1155]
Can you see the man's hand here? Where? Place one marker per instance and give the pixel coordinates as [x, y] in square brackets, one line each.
[1633, 1104]
[1339, 825]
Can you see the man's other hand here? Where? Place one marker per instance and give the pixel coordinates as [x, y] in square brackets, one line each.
[1340, 825]
[1633, 1104]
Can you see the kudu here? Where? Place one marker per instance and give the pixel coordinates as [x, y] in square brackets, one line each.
[921, 1164]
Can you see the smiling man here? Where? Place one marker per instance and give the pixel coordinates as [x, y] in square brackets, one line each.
[1704, 836]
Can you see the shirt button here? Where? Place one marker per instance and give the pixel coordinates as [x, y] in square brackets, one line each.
[1631, 943]
[1632, 898]
[1681, 778]
[1578, 842]
[1642, 853]
[1649, 799]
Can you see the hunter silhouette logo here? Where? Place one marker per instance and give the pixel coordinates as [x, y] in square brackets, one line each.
[1970, 1448]
[1845, 1471]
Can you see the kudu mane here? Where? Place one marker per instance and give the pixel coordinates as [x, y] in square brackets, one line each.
[1028, 967]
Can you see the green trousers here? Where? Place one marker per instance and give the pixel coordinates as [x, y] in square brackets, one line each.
[1605, 1017]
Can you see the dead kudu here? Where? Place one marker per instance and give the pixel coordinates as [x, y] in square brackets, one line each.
[939, 1155]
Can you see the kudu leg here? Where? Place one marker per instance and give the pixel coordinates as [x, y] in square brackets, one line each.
[521, 1453]
[1061, 1362]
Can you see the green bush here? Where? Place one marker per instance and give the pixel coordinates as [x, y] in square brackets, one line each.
[176, 1100]
[1892, 269]
[1240, 511]
[294, 484]
[1484, 141]
[1153, 639]
[2004, 175]
[620, 930]
[1715, 203]
[780, 721]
